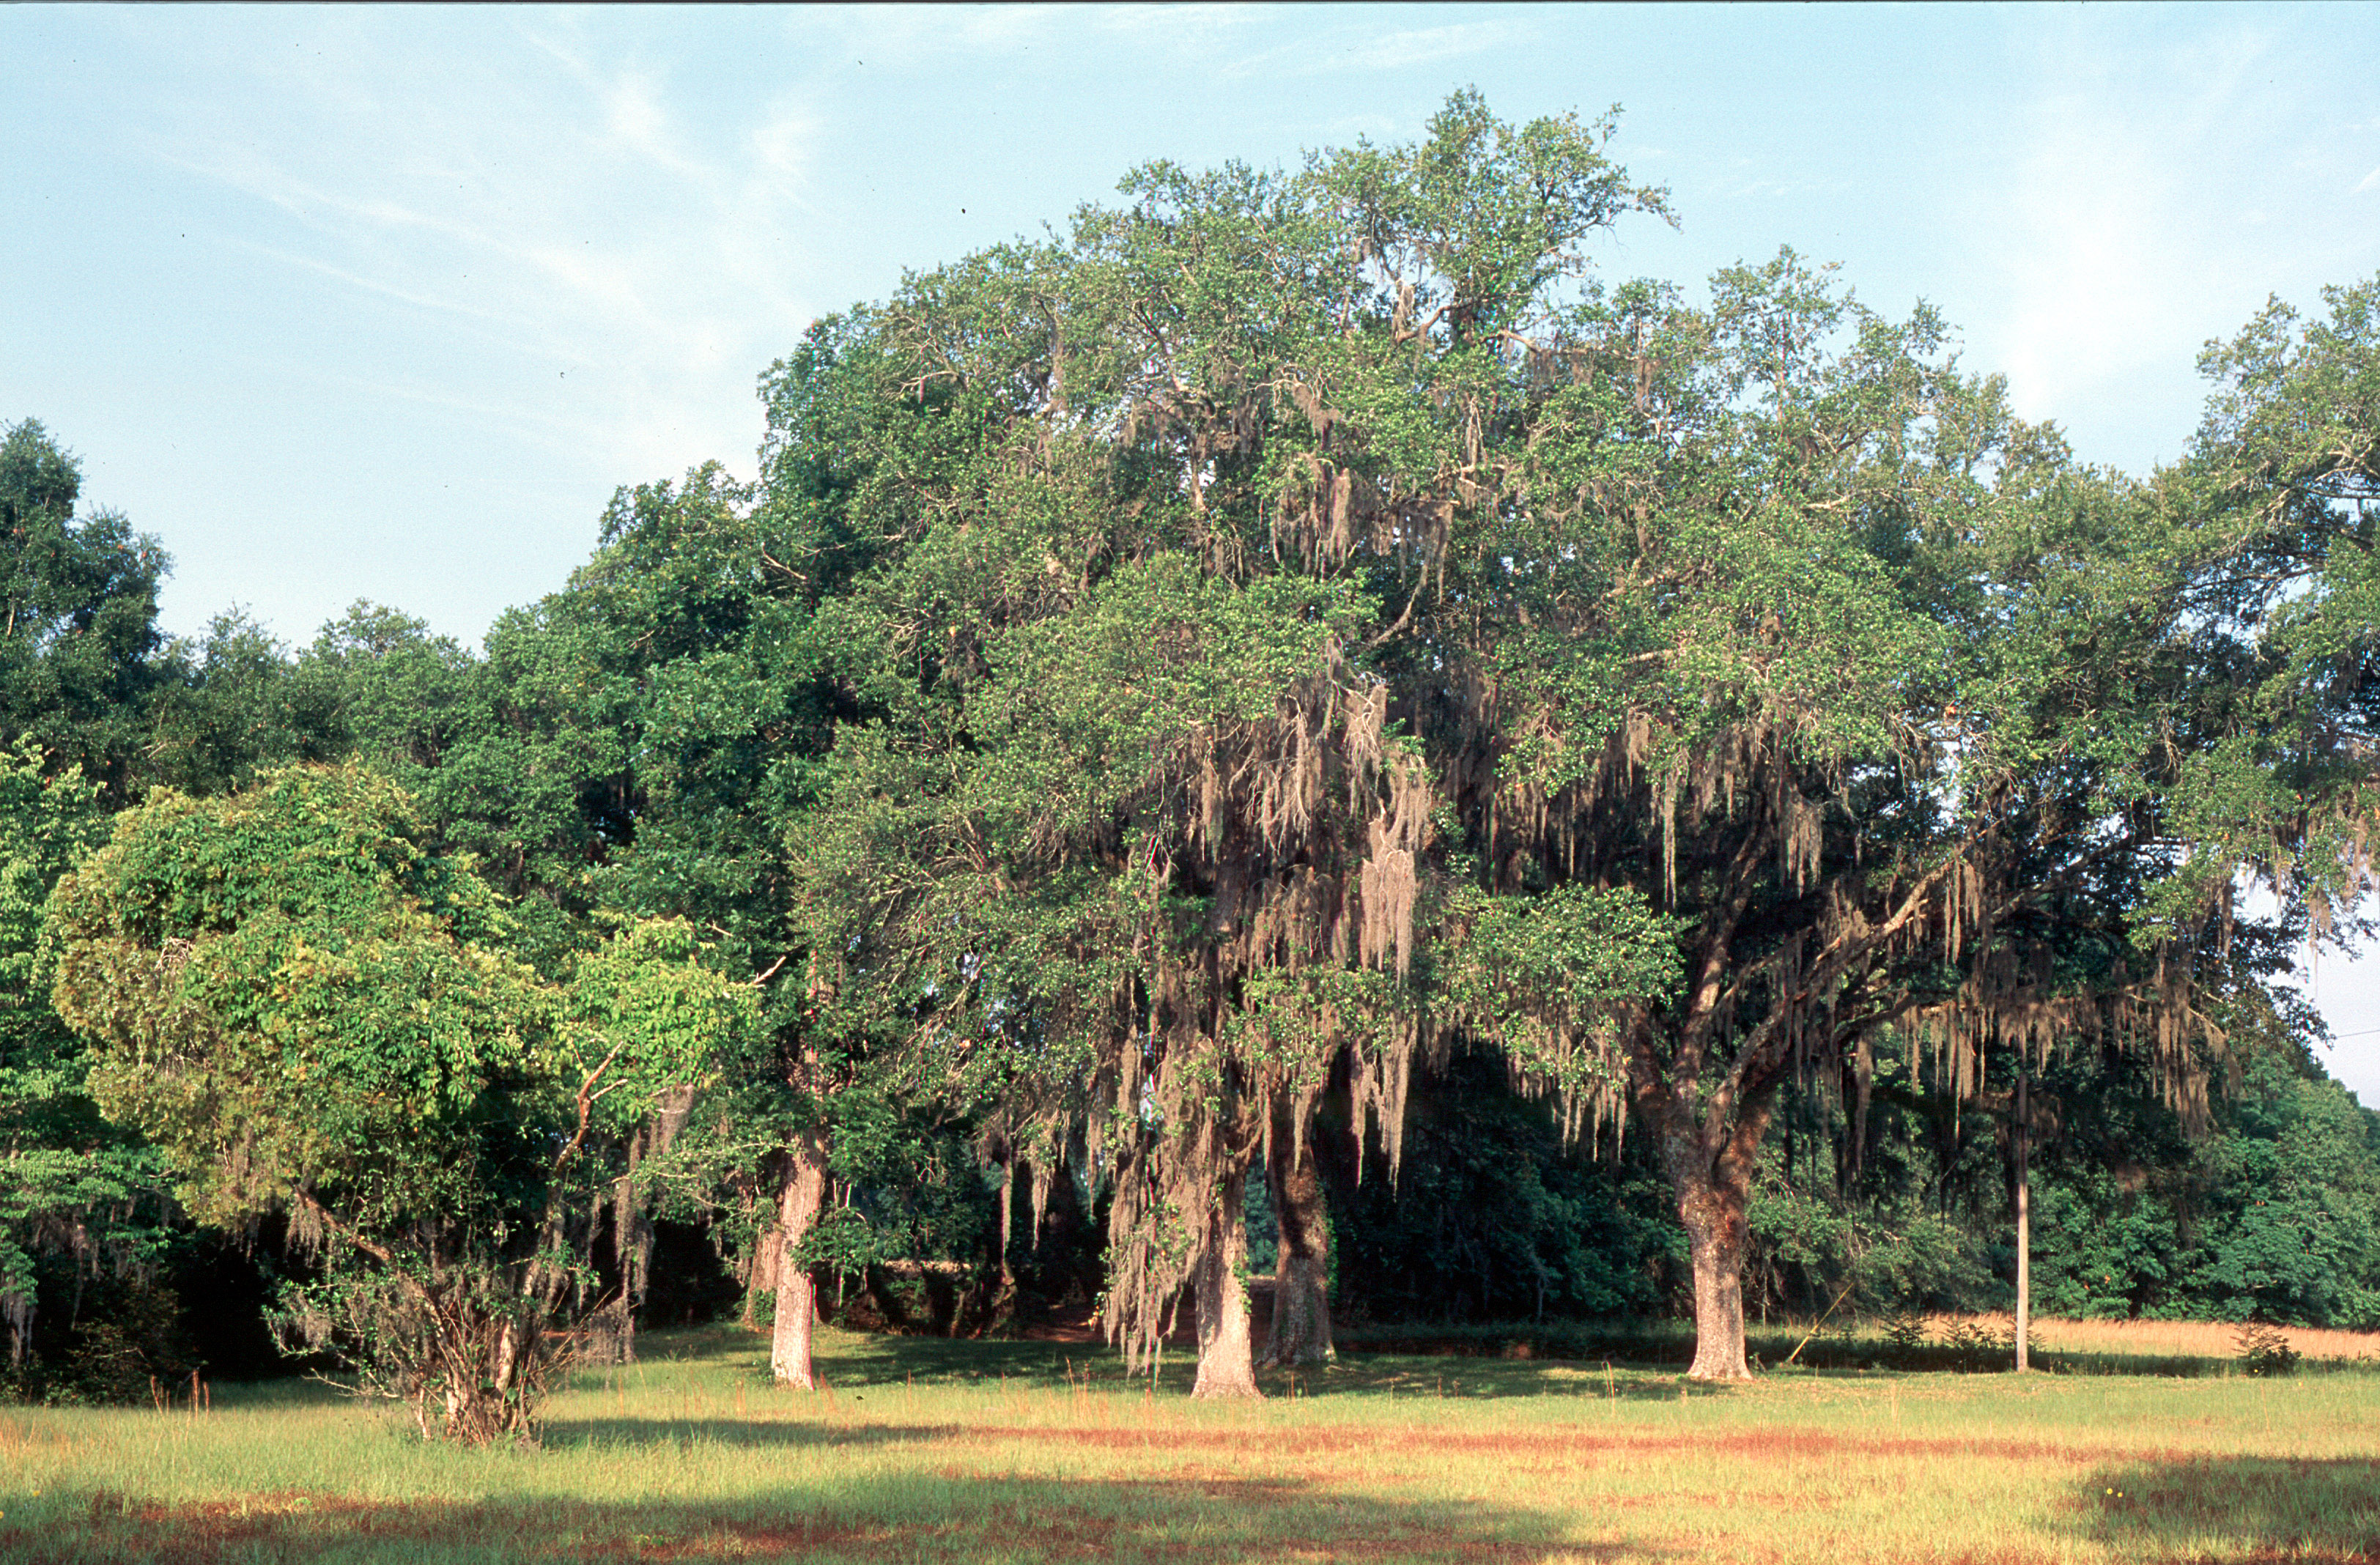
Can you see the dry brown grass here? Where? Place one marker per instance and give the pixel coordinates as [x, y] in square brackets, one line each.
[2163, 1339]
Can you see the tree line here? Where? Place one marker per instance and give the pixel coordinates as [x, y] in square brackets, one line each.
[1291, 673]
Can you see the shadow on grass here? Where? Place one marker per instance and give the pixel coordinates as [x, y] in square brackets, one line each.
[850, 1360]
[2234, 1510]
[912, 1516]
[561, 1434]
[859, 1363]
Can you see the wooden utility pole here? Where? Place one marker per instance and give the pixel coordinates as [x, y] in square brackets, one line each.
[2021, 1130]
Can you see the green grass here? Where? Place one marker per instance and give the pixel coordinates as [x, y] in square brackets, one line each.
[966, 1452]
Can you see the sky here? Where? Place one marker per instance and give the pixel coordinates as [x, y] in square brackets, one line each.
[351, 303]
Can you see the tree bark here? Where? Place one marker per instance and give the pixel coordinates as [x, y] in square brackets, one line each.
[1226, 1361]
[1301, 1288]
[1712, 1211]
[1710, 1158]
[1007, 1220]
[1001, 1308]
[798, 1207]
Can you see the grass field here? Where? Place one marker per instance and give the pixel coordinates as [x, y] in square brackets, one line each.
[963, 1451]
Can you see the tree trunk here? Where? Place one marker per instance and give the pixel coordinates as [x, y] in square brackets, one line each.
[632, 1225]
[1712, 1211]
[1000, 1310]
[2023, 1128]
[1007, 1221]
[805, 1191]
[1226, 1363]
[760, 1273]
[1301, 1288]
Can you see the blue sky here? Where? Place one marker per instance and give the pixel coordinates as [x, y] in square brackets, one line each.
[352, 303]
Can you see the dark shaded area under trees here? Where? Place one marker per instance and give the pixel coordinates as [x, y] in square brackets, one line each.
[1289, 728]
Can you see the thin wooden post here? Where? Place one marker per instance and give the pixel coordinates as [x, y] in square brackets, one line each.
[2022, 1130]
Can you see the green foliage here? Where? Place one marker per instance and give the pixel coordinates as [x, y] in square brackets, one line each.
[1531, 973]
[642, 1016]
[78, 614]
[1492, 1218]
[287, 994]
[1876, 1252]
[236, 704]
[77, 1195]
[305, 1008]
[2276, 1217]
[2281, 495]
[2101, 1252]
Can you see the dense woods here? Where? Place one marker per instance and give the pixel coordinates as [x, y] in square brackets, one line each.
[1291, 727]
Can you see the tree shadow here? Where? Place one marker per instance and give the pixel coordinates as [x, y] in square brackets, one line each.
[562, 1434]
[867, 1363]
[893, 1360]
[2233, 1510]
[1434, 1378]
[915, 1516]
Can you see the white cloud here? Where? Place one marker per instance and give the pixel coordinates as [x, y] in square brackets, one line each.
[554, 200]
[1356, 48]
[783, 141]
[1422, 45]
[897, 38]
[2127, 232]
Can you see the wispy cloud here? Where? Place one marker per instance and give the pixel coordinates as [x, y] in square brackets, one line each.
[2128, 229]
[556, 201]
[1355, 48]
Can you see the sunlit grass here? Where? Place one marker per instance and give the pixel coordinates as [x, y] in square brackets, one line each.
[2156, 1338]
[963, 1451]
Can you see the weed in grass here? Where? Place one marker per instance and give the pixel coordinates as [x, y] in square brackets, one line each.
[2266, 1350]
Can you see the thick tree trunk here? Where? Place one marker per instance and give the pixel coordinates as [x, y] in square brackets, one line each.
[1301, 1288]
[1226, 1362]
[798, 1207]
[1712, 1211]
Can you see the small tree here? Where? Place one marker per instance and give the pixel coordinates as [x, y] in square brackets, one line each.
[310, 1013]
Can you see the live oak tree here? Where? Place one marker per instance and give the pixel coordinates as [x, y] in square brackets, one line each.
[1173, 508]
[1315, 623]
[2278, 501]
[309, 1013]
[82, 668]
